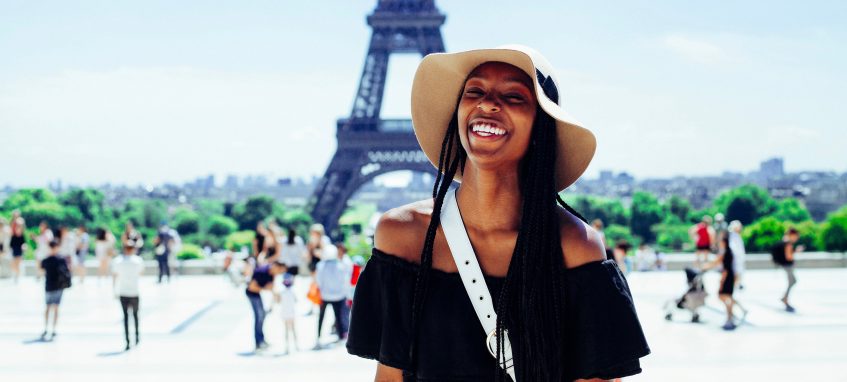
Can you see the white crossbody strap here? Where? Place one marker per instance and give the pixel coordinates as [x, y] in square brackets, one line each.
[472, 278]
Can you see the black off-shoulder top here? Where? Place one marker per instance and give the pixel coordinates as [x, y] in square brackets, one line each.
[604, 336]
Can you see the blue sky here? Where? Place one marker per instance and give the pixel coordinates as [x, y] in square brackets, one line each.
[155, 91]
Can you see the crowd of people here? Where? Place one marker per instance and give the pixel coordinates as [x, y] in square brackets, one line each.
[60, 255]
[718, 246]
[278, 259]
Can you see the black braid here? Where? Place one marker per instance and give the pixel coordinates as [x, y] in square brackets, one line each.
[531, 301]
[452, 155]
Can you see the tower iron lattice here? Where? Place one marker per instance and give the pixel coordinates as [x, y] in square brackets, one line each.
[368, 145]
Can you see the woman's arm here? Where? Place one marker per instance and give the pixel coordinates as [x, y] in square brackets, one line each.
[387, 374]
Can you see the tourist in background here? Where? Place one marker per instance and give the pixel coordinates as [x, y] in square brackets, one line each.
[126, 271]
[314, 249]
[620, 255]
[597, 224]
[104, 250]
[271, 243]
[133, 235]
[291, 251]
[726, 261]
[739, 253]
[5, 239]
[287, 304]
[262, 279]
[17, 245]
[42, 245]
[163, 251]
[645, 257]
[259, 240]
[783, 255]
[703, 236]
[57, 278]
[81, 251]
[333, 278]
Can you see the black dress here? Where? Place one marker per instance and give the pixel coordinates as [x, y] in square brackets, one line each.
[605, 339]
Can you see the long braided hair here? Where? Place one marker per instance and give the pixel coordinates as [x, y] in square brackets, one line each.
[531, 300]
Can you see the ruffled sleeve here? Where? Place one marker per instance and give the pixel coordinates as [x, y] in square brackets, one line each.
[604, 335]
[380, 323]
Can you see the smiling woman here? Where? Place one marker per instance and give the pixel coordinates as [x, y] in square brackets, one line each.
[498, 254]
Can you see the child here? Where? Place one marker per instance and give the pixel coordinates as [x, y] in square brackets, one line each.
[287, 301]
[57, 277]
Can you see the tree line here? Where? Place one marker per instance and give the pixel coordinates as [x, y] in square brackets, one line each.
[218, 224]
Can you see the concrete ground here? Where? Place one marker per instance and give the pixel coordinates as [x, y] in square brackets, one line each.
[200, 328]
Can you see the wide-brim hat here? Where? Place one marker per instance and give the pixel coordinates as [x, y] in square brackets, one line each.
[441, 77]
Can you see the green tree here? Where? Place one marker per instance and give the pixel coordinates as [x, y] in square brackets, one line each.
[610, 211]
[221, 226]
[186, 222]
[746, 204]
[88, 201]
[645, 213]
[255, 209]
[236, 240]
[26, 196]
[762, 235]
[53, 213]
[616, 233]
[678, 207]
[793, 210]
[809, 233]
[833, 234]
[672, 233]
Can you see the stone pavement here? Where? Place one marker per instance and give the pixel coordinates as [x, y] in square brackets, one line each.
[200, 328]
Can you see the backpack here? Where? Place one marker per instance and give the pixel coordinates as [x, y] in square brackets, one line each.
[778, 253]
[64, 276]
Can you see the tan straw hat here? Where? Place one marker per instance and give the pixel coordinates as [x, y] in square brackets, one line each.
[439, 81]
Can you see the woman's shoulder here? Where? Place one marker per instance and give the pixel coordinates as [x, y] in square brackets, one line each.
[581, 243]
[400, 230]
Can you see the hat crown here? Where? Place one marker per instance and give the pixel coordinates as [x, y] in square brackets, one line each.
[545, 74]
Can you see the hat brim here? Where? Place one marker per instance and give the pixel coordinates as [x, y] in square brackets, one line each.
[438, 83]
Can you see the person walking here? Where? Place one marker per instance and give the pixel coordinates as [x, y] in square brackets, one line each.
[81, 251]
[104, 248]
[163, 251]
[726, 261]
[126, 272]
[704, 236]
[5, 240]
[17, 244]
[333, 278]
[291, 252]
[499, 278]
[739, 253]
[57, 278]
[262, 279]
[783, 255]
[42, 246]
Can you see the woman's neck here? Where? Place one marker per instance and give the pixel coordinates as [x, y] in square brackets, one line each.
[490, 200]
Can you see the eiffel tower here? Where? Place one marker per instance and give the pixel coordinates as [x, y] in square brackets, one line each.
[369, 146]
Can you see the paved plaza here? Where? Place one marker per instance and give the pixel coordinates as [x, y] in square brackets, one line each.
[199, 328]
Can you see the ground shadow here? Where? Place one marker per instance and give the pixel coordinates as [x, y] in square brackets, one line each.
[39, 340]
[112, 353]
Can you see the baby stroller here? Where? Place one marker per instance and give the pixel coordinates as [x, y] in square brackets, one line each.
[692, 300]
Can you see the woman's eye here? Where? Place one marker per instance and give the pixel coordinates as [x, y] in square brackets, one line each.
[514, 98]
[473, 92]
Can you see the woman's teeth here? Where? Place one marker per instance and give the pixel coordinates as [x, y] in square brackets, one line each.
[486, 130]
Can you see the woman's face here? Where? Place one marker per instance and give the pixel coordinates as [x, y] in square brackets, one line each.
[496, 112]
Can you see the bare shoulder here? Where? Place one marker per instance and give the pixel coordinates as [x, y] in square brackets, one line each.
[581, 243]
[400, 231]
